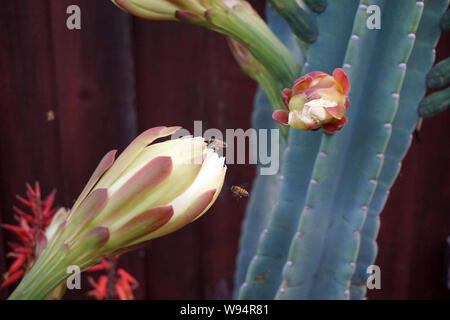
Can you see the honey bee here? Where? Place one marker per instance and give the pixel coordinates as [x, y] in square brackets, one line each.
[50, 115]
[239, 192]
[215, 144]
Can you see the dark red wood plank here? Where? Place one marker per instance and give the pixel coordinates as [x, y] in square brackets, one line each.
[29, 144]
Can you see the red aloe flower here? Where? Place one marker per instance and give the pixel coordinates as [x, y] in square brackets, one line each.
[29, 232]
[316, 100]
[117, 283]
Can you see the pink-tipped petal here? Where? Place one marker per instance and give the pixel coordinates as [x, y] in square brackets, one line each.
[141, 226]
[332, 128]
[341, 77]
[301, 84]
[139, 185]
[87, 210]
[138, 11]
[102, 167]
[187, 16]
[197, 208]
[287, 94]
[347, 102]
[133, 150]
[88, 245]
[337, 111]
[189, 214]
[315, 74]
[281, 116]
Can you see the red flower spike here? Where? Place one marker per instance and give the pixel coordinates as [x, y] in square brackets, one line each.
[103, 265]
[125, 275]
[18, 263]
[30, 231]
[100, 287]
[12, 278]
[124, 283]
[28, 203]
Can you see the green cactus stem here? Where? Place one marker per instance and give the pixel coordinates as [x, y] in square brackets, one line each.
[435, 103]
[317, 6]
[439, 75]
[445, 21]
[302, 24]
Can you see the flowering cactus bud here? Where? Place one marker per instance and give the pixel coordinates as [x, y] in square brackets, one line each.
[150, 190]
[316, 100]
[147, 192]
[234, 18]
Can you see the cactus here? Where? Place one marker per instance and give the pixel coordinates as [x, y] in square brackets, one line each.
[311, 246]
[445, 21]
[435, 103]
[301, 23]
[439, 75]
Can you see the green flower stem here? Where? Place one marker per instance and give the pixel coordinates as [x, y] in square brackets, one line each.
[255, 70]
[259, 41]
[48, 272]
[272, 92]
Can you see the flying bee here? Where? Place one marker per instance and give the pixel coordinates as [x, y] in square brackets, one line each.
[50, 115]
[239, 192]
[215, 144]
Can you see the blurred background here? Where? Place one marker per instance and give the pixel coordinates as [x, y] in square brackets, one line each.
[69, 96]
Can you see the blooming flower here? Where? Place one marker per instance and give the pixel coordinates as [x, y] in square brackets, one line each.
[316, 100]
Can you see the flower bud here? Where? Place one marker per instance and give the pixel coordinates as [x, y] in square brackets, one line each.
[316, 100]
[149, 191]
